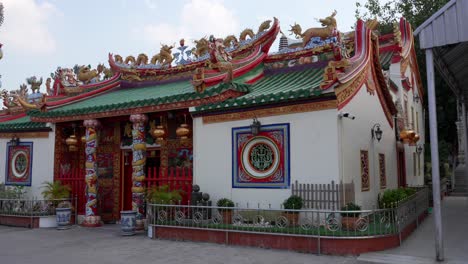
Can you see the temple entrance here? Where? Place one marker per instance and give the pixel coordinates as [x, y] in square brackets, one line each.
[153, 161]
[126, 180]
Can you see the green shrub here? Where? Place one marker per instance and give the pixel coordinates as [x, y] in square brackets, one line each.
[162, 195]
[351, 207]
[293, 202]
[391, 198]
[225, 202]
[409, 191]
[12, 192]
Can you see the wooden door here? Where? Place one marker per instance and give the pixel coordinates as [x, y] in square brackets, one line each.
[127, 180]
[401, 167]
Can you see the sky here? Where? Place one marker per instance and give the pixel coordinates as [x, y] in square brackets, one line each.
[39, 35]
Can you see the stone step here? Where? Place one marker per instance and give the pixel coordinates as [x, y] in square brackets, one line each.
[380, 258]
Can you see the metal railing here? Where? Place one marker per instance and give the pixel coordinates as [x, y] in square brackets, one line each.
[31, 208]
[304, 222]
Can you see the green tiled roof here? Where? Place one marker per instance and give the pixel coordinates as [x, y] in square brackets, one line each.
[23, 123]
[275, 88]
[386, 59]
[139, 97]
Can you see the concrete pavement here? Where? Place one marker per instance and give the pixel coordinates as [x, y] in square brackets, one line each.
[419, 247]
[104, 245]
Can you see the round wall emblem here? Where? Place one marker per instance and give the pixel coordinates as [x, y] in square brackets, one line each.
[260, 157]
[19, 164]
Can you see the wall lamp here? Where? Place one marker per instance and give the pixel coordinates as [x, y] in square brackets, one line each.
[255, 127]
[14, 141]
[376, 132]
[419, 149]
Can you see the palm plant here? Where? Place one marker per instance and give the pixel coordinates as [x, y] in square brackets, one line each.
[55, 190]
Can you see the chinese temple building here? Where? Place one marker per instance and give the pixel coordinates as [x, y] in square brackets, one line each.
[228, 115]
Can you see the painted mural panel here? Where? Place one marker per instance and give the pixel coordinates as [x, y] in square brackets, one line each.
[261, 161]
[19, 164]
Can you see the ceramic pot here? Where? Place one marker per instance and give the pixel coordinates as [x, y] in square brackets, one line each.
[349, 222]
[128, 222]
[63, 216]
[227, 217]
[293, 218]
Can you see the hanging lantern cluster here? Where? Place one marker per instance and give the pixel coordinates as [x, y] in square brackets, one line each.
[409, 137]
[183, 131]
[71, 142]
[159, 133]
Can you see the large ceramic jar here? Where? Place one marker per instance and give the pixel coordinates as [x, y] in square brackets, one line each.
[63, 216]
[128, 222]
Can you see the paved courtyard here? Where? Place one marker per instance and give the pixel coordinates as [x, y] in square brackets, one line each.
[105, 245]
[420, 246]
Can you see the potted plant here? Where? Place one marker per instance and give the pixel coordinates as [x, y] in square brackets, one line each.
[56, 193]
[225, 212]
[349, 219]
[294, 202]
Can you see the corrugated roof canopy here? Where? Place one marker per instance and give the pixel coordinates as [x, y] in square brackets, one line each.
[446, 32]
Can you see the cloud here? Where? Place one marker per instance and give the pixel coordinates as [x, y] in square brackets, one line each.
[198, 18]
[152, 4]
[209, 16]
[161, 33]
[25, 28]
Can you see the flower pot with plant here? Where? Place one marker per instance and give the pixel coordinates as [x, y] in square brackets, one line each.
[56, 193]
[349, 216]
[161, 195]
[225, 212]
[294, 202]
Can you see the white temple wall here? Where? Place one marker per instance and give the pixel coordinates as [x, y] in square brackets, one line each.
[313, 156]
[414, 168]
[356, 136]
[42, 163]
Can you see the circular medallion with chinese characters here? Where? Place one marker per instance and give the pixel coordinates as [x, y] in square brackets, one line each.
[19, 164]
[260, 157]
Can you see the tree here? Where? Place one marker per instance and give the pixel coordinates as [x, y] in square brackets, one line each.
[416, 12]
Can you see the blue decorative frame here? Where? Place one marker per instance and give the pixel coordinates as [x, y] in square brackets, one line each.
[246, 130]
[8, 180]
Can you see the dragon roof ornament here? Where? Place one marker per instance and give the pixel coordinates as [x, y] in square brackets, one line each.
[21, 100]
[183, 61]
[329, 29]
[165, 59]
[74, 80]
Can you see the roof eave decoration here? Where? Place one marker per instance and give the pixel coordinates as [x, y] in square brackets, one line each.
[365, 62]
[216, 94]
[408, 54]
[77, 80]
[89, 91]
[165, 66]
